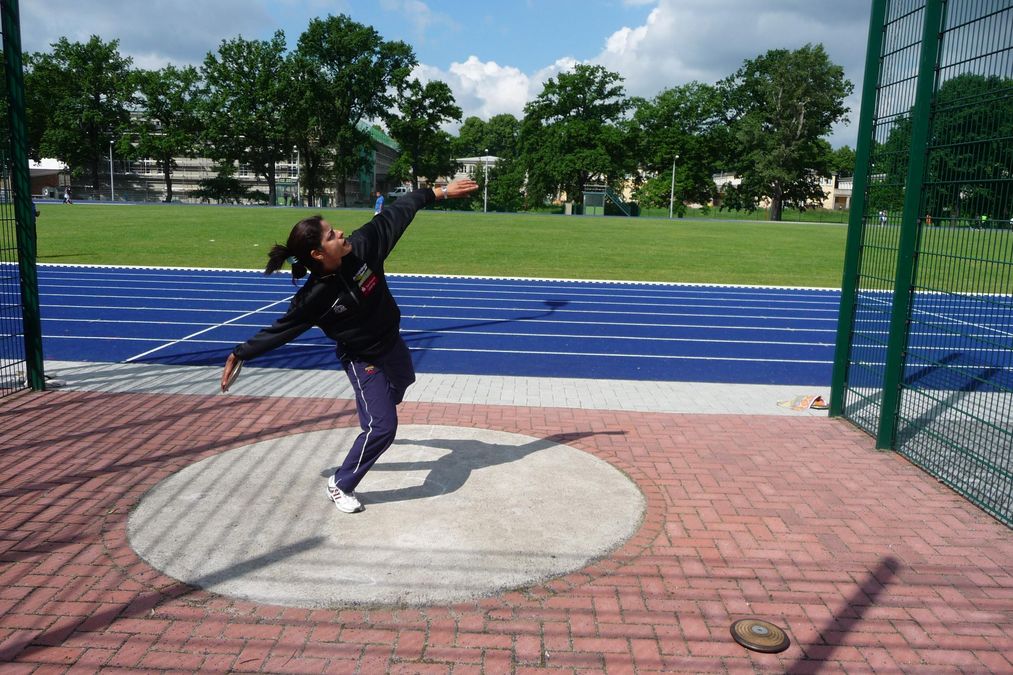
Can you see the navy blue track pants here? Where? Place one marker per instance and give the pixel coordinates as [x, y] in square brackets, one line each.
[379, 386]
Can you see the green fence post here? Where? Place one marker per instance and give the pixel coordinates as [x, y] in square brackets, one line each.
[909, 232]
[856, 216]
[21, 186]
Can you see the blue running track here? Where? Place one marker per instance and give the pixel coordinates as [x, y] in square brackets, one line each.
[481, 326]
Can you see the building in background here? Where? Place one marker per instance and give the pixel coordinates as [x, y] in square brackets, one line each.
[49, 177]
[142, 180]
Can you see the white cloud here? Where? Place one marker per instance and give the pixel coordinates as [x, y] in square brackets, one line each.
[195, 26]
[414, 11]
[485, 88]
[681, 41]
[686, 40]
[419, 16]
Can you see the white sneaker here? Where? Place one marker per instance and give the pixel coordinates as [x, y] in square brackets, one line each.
[345, 502]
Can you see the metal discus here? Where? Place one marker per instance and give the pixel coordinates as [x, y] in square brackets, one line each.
[760, 636]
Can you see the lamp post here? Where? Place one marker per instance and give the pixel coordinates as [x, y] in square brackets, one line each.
[485, 185]
[296, 175]
[112, 188]
[671, 195]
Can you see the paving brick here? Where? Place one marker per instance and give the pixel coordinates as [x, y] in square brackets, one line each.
[158, 660]
[725, 536]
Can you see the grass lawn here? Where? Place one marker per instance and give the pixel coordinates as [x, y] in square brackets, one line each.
[439, 242]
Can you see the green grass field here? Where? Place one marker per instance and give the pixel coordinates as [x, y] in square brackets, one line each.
[636, 249]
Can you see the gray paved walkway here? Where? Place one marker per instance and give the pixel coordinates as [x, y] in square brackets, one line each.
[584, 394]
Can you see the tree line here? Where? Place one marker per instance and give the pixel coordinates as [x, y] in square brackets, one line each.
[252, 101]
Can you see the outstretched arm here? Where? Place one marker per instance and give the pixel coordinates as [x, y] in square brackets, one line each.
[376, 239]
[456, 189]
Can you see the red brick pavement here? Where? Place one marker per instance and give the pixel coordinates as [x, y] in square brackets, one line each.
[868, 563]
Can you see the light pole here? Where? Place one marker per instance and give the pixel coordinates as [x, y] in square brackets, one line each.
[112, 188]
[485, 186]
[296, 175]
[671, 195]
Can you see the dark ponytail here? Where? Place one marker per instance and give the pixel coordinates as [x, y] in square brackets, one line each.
[302, 240]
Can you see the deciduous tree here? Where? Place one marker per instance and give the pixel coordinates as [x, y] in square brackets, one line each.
[572, 133]
[167, 126]
[423, 109]
[782, 104]
[682, 127]
[356, 75]
[242, 105]
[84, 91]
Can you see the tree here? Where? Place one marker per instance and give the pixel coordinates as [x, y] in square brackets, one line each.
[842, 162]
[682, 127]
[84, 91]
[423, 108]
[571, 133]
[223, 187]
[502, 133]
[307, 118]
[970, 166]
[470, 140]
[499, 136]
[782, 103]
[506, 184]
[355, 75]
[167, 126]
[243, 102]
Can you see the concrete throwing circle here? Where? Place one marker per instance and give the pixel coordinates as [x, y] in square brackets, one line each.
[451, 514]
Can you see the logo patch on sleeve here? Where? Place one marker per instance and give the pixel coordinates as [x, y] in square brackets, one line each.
[366, 280]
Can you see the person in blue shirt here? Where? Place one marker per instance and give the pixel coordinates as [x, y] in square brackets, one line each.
[379, 203]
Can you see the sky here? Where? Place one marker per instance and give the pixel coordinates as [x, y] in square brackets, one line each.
[494, 54]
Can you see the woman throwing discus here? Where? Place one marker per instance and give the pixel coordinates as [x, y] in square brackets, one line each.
[347, 297]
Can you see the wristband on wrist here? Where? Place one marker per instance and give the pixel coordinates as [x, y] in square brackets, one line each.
[443, 189]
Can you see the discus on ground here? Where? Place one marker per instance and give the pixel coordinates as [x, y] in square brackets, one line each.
[760, 636]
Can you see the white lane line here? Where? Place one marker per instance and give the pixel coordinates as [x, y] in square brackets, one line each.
[177, 287]
[123, 308]
[631, 356]
[210, 328]
[578, 336]
[405, 301]
[633, 324]
[473, 319]
[785, 313]
[141, 270]
[620, 299]
[330, 347]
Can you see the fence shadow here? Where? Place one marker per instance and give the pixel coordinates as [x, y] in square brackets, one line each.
[847, 617]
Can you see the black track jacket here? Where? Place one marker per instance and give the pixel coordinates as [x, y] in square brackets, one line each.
[353, 306]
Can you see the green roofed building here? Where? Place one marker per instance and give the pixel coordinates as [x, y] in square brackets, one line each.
[383, 152]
